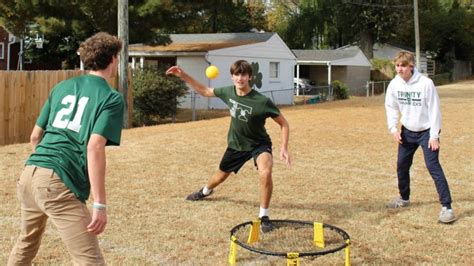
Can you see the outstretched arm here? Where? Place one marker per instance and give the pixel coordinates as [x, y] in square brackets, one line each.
[196, 85]
[285, 135]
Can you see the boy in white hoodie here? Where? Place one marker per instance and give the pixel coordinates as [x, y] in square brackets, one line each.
[414, 96]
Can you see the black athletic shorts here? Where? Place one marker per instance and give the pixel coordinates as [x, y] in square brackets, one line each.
[233, 160]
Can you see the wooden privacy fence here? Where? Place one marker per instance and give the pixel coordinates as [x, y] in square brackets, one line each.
[23, 93]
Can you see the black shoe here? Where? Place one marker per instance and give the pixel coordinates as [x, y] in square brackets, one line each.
[266, 225]
[198, 195]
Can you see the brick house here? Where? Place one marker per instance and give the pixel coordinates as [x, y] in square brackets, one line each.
[9, 49]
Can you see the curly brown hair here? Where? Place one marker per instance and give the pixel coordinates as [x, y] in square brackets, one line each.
[97, 51]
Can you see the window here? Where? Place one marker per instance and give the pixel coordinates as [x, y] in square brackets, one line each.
[274, 70]
[2, 50]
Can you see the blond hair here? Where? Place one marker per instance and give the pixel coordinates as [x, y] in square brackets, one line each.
[404, 58]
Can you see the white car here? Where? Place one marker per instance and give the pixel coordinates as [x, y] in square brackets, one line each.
[303, 84]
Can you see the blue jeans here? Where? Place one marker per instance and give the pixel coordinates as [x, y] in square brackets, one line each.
[411, 141]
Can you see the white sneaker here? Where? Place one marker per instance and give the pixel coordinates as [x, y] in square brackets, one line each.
[446, 216]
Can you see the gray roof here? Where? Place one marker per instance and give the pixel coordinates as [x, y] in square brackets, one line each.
[339, 57]
[324, 55]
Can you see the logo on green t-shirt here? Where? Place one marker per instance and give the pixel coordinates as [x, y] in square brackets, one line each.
[240, 110]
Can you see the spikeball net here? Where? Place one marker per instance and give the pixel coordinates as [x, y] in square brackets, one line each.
[289, 239]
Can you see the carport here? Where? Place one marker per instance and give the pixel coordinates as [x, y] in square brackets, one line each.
[349, 66]
[313, 63]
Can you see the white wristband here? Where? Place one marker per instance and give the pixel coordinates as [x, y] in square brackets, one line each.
[99, 206]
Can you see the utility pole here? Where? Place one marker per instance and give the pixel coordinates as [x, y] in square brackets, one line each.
[123, 58]
[417, 34]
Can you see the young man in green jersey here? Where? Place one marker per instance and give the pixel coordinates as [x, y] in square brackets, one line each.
[247, 137]
[81, 116]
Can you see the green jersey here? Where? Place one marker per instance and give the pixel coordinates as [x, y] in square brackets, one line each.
[75, 109]
[248, 114]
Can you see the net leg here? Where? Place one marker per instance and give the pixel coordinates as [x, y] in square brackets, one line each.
[254, 232]
[293, 259]
[233, 251]
[348, 253]
[318, 235]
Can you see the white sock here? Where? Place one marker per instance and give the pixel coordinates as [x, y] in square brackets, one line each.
[206, 191]
[263, 212]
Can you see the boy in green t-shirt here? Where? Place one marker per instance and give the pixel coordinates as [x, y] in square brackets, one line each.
[81, 116]
[247, 137]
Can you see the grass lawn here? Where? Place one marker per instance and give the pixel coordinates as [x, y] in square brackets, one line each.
[343, 174]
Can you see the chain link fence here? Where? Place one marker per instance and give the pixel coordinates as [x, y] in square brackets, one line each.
[310, 96]
[376, 87]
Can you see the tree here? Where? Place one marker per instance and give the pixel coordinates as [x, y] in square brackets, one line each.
[463, 32]
[257, 19]
[63, 23]
[334, 23]
[297, 34]
[371, 23]
[209, 16]
[446, 31]
[279, 15]
[293, 21]
[66, 23]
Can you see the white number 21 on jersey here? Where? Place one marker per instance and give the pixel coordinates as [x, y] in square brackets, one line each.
[75, 124]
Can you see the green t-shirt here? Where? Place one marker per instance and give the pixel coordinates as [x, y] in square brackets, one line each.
[248, 114]
[75, 109]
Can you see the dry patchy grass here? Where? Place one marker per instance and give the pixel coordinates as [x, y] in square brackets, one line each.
[343, 174]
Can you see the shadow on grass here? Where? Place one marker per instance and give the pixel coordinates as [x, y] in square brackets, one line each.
[336, 210]
[465, 213]
[344, 210]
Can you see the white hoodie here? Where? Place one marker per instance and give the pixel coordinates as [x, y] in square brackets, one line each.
[418, 102]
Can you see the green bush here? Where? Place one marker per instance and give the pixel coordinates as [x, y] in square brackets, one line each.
[155, 95]
[340, 90]
[382, 63]
[383, 69]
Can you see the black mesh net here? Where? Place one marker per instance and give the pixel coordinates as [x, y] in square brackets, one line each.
[292, 237]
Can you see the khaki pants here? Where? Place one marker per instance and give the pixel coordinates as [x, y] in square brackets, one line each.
[43, 195]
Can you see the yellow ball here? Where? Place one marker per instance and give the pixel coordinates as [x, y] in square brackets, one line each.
[212, 72]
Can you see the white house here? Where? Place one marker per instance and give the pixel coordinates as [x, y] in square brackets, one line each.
[349, 65]
[9, 50]
[270, 57]
[389, 51]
